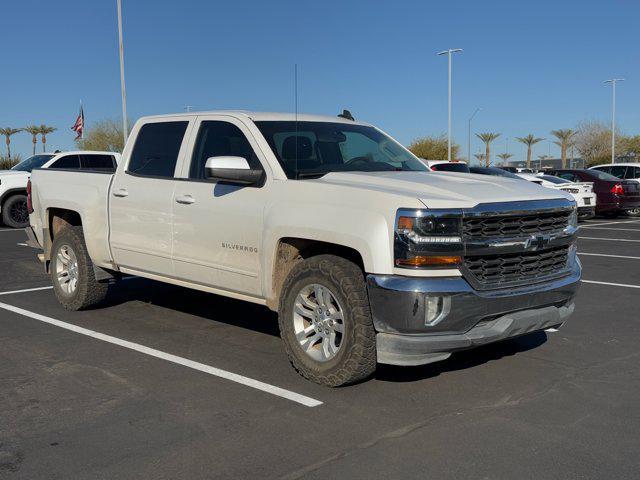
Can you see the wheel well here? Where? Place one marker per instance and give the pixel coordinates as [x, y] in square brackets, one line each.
[291, 251]
[7, 195]
[60, 218]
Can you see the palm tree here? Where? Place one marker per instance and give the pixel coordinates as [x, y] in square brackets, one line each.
[487, 138]
[504, 157]
[7, 132]
[34, 130]
[45, 130]
[564, 137]
[480, 157]
[529, 141]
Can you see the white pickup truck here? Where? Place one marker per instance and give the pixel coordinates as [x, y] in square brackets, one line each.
[365, 254]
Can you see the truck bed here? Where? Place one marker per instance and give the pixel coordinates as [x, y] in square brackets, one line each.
[82, 191]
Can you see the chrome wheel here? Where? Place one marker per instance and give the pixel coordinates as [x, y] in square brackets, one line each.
[318, 322]
[67, 269]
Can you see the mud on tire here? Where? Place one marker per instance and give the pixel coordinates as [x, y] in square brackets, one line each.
[69, 248]
[355, 358]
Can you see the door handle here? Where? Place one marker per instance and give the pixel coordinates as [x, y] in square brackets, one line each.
[185, 199]
[122, 192]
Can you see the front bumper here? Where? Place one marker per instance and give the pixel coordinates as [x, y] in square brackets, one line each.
[399, 309]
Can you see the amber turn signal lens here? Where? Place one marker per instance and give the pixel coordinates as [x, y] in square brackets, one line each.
[405, 223]
[430, 261]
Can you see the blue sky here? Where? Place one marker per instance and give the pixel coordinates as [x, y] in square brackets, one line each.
[531, 66]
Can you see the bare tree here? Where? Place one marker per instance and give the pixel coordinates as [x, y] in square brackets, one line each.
[593, 141]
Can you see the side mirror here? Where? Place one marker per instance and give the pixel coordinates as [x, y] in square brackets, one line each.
[232, 170]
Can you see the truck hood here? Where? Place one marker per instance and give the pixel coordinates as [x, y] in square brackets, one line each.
[445, 189]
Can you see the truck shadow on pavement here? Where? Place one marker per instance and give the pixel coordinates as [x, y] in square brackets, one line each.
[260, 319]
[462, 360]
[193, 302]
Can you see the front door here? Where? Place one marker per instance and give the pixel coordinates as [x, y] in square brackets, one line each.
[141, 198]
[217, 227]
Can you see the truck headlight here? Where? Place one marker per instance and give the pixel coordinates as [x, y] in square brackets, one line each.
[423, 239]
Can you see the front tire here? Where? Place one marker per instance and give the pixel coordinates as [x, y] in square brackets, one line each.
[74, 282]
[15, 213]
[634, 212]
[325, 321]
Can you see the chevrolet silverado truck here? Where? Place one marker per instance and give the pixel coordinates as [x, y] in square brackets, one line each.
[366, 255]
[13, 182]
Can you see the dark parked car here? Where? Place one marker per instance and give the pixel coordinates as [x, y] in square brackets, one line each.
[613, 194]
[494, 171]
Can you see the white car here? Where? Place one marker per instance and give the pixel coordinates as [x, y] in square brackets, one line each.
[13, 183]
[445, 166]
[582, 192]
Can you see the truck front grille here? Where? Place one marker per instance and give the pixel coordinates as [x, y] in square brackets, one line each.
[499, 270]
[514, 225]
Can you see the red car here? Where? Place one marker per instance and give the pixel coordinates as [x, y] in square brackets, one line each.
[613, 195]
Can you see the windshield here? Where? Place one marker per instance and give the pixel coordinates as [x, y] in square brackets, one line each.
[312, 149]
[498, 172]
[451, 167]
[32, 162]
[555, 180]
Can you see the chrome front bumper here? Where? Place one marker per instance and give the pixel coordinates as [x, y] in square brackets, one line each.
[473, 317]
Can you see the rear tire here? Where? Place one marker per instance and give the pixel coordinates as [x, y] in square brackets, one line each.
[74, 281]
[325, 321]
[635, 212]
[15, 213]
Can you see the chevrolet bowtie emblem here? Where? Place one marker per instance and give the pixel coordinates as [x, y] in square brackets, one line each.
[537, 242]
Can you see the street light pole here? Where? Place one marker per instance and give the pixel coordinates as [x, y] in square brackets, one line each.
[613, 82]
[448, 53]
[469, 134]
[125, 126]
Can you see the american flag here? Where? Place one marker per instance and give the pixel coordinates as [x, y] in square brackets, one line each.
[78, 127]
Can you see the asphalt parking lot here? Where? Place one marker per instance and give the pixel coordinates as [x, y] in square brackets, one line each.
[153, 393]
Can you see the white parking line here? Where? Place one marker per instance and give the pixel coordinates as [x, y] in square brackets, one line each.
[607, 255]
[610, 239]
[617, 229]
[201, 367]
[608, 223]
[611, 284]
[21, 230]
[26, 290]
[22, 244]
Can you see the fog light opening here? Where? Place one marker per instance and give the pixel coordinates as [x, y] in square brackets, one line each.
[436, 309]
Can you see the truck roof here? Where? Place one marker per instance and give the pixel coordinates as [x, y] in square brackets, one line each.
[262, 116]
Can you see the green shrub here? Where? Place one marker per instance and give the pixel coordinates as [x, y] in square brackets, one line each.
[6, 163]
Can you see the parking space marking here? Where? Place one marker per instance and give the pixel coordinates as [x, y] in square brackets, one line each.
[607, 223]
[609, 239]
[22, 244]
[11, 292]
[12, 230]
[609, 228]
[608, 255]
[201, 367]
[611, 284]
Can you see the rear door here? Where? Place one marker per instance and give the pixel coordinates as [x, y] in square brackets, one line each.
[141, 196]
[71, 162]
[217, 231]
[98, 162]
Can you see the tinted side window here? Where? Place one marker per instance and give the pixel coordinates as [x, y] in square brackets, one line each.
[618, 171]
[603, 169]
[98, 162]
[218, 139]
[568, 176]
[155, 153]
[633, 172]
[68, 161]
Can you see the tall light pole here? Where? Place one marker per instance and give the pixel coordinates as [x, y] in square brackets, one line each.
[613, 82]
[469, 134]
[125, 127]
[448, 53]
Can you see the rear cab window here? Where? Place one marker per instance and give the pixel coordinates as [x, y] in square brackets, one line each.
[68, 161]
[155, 153]
[101, 162]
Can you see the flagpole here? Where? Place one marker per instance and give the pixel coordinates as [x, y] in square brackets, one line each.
[125, 128]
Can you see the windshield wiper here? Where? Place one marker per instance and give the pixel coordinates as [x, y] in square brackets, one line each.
[302, 175]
